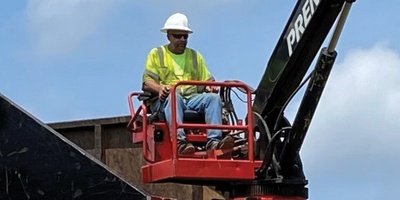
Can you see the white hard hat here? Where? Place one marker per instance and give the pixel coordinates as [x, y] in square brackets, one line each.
[177, 21]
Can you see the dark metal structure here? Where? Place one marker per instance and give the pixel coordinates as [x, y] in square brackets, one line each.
[297, 47]
[37, 162]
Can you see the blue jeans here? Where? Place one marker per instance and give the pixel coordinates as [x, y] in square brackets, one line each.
[208, 103]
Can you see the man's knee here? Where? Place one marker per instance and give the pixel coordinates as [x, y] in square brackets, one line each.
[214, 99]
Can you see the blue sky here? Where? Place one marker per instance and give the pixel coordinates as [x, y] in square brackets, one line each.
[79, 59]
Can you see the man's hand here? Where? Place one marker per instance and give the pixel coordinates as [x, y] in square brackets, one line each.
[214, 89]
[163, 92]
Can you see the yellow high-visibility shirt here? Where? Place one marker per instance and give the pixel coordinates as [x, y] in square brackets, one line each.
[167, 68]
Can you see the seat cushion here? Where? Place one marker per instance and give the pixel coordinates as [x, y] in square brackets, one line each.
[191, 116]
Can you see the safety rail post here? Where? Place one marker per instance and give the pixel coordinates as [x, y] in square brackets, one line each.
[173, 128]
[144, 115]
[250, 124]
[248, 127]
[134, 115]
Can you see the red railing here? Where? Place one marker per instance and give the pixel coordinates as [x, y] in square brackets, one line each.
[247, 128]
[141, 132]
[132, 126]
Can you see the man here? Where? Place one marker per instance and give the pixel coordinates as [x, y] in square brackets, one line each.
[168, 64]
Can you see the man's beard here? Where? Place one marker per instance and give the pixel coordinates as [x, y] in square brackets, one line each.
[181, 45]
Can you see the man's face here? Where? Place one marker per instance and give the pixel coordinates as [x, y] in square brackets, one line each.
[178, 40]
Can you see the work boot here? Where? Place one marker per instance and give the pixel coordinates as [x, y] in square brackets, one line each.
[227, 143]
[185, 148]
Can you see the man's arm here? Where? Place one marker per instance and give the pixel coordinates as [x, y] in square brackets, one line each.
[151, 86]
[151, 78]
[161, 90]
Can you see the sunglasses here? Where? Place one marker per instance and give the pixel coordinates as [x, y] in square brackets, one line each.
[179, 36]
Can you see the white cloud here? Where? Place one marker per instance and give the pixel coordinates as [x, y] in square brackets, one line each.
[354, 135]
[59, 26]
